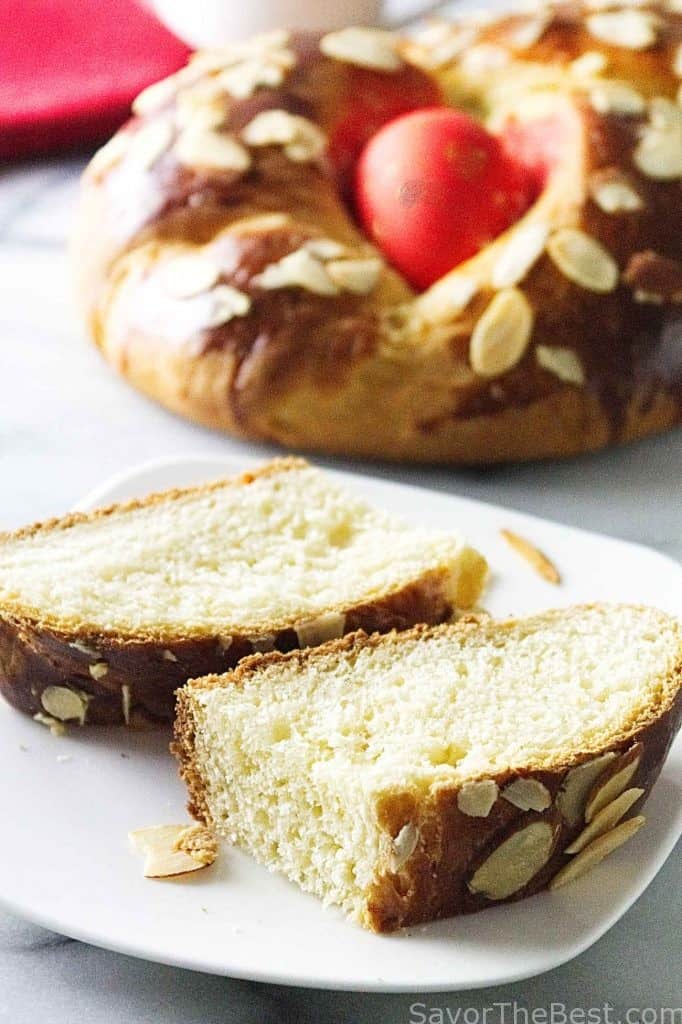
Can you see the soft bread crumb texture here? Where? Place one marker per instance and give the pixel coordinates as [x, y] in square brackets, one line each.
[296, 753]
[285, 547]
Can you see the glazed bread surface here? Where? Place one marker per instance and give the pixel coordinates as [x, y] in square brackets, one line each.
[120, 606]
[382, 774]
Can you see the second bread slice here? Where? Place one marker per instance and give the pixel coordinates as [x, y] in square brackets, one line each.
[103, 616]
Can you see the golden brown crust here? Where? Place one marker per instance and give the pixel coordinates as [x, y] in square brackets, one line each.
[317, 372]
[451, 844]
[128, 675]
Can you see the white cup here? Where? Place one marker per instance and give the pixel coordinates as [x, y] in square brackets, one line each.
[215, 22]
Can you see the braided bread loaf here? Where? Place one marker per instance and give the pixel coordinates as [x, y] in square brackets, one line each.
[221, 269]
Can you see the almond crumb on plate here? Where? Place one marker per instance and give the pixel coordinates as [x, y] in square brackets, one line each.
[172, 850]
[533, 556]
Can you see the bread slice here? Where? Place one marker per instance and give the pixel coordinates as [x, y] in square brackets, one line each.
[106, 614]
[440, 770]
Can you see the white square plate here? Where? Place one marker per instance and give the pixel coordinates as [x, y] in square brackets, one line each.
[68, 803]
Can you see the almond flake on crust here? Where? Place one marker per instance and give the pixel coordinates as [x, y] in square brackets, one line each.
[589, 64]
[300, 138]
[606, 819]
[519, 255]
[583, 260]
[367, 47]
[564, 363]
[613, 193]
[533, 556]
[330, 626]
[149, 144]
[358, 276]
[578, 783]
[530, 31]
[297, 270]
[64, 704]
[155, 96]
[203, 148]
[629, 29]
[185, 276]
[597, 851]
[515, 862]
[527, 795]
[111, 154]
[404, 845]
[223, 303]
[614, 782]
[476, 799]
[611, 97]
[501, 335]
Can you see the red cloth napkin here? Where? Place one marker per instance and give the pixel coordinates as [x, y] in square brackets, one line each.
[70, 68]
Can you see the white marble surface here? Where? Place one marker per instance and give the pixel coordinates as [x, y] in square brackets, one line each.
[66, 422]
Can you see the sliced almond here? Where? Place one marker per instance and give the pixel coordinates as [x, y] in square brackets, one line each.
[529, 32]
[576, 787]
[266, 69]
[515, 862]
[476, 799]
[613, 782]
[155, 96]
[564, 363]
[56, 727]
[443, 43]
[658, 153]
[222, 304]
[664, 113]
[98, 670]
[186, 276]
[297, 270]
[610, 97]
[202, 106]
[148, 145]
[583, 260]
[168, 656]
[597, 851]
[448, 297]
[404, 845]
[605, 820]
[366, 47]
[519, 255]
[539, 561]
[125, 703]
[527, 795]
[501, 335]
[174, 849]
[300, 138]
[589, 64]
[64, 704]
[614, 194]
[260, 222]
[629, 29]
[325, 249]
[215, 151]
[87, 649]
[359, 276]
[263, 643]
[329, 626]
[109, 155]
[482, 60]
